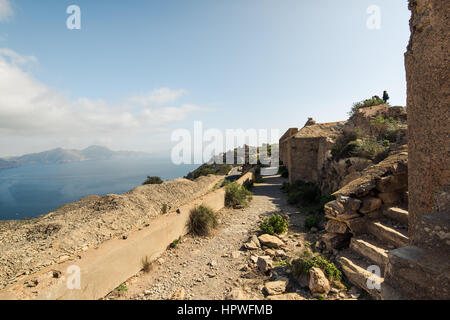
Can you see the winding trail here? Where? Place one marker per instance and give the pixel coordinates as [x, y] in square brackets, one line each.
[213, 267]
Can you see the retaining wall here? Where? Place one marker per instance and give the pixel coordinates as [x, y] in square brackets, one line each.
[104, 268]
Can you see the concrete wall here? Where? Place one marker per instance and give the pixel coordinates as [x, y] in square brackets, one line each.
[104, 268]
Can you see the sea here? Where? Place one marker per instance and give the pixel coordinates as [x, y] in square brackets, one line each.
[30, 191]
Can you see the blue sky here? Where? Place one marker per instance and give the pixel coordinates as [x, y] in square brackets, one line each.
[138, 69]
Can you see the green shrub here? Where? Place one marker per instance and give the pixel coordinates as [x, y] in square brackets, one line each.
[387, 128]
[313, 221]
[164, 208]
[274, 224]
[122, 288]
[308, 260]
[174, 243]
[303, 193]
[343, 148]
[369, 148]
[202, 220]
[237, 196]
[152, 180]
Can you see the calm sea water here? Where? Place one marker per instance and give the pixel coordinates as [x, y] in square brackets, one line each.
[30, 191]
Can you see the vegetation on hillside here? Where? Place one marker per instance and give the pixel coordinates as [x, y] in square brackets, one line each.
[206, 169]
[375, 147]
[153, 180]
[374, 101]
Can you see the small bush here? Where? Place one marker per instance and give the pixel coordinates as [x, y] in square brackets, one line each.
[122, 288]
[342, 147]
[308, 260]
[303, 193]
[369, 148]
[313, 221]
[202, 220]
[276, 224]
[164, 208]
[237, 196]
[174, 243]
[152, 180]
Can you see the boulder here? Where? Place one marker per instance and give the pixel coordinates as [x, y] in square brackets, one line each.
[334, 208]
[276, 287]
[286, 296]
[236, 294]
[350, 204]
[336, 240]
[318, 282]
[264, 263]
[253, 243]
[370, 204]
[270, 241]
[334, 226]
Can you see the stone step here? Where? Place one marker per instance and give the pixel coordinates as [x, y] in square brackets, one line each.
[433, 231]
[356, 272]
[420, 273]
[397, 214]
[385, 232]
[370, 249]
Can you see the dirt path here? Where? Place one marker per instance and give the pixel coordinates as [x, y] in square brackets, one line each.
[217, 266]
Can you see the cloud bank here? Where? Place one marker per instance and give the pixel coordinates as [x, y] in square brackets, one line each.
[29, 108]
[6, 11]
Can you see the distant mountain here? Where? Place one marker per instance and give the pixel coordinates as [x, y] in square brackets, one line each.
[7, 164]
[60, 155]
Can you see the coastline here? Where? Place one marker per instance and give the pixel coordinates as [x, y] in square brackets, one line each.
[30, 245]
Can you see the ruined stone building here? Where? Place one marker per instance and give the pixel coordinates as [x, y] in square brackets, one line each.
[304, 151]
[395, 214]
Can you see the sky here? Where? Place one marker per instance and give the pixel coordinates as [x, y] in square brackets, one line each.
[137, 70]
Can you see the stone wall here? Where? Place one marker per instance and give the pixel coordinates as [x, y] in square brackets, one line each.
[427, 72]
[422, 269]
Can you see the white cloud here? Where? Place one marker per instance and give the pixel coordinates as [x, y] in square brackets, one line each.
[159, 97]
[30, 108]
[6, 10]
[16, 59]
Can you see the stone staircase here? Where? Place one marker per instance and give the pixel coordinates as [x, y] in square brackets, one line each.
[382, 233]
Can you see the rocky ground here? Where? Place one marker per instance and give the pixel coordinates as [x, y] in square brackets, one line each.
[27, 246]
[234, 263]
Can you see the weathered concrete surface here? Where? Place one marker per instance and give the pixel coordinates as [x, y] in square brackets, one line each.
[104, 268]
[428, 97]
